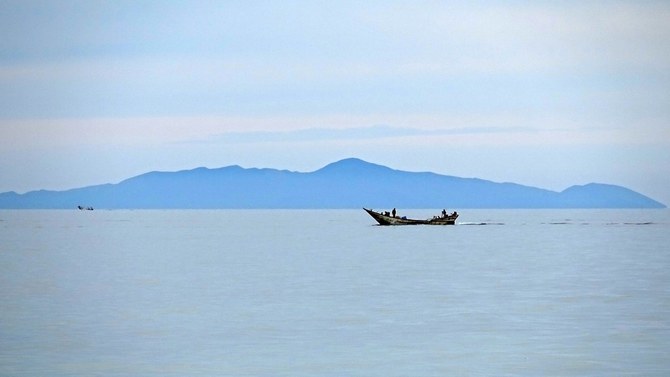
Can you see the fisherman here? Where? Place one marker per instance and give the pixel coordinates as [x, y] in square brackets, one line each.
[393, 212]
[444, 213]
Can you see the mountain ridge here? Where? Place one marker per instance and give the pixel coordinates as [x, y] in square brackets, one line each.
[348, 183]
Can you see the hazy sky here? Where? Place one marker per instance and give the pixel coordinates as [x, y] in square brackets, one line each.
[547, 94]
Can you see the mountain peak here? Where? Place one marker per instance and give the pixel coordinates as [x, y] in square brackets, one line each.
[353, 166]
[601, 195]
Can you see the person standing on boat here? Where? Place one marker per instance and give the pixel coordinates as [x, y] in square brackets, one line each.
[444, 213]
[393, 212]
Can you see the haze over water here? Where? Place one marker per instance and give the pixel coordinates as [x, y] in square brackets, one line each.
[304, 293]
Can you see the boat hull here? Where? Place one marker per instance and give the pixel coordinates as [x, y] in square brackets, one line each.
[391, 220]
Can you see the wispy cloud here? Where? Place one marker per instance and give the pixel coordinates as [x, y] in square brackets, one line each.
[356, 133]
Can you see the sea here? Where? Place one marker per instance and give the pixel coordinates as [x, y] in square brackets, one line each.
[329, 293]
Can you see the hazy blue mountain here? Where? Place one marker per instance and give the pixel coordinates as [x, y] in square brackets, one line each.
[350, 183]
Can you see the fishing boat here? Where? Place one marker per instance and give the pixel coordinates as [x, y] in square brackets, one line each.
[386, 218]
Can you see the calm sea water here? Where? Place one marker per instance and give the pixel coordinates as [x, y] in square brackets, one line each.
[327, 293]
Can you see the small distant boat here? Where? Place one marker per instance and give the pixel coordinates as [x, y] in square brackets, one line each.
[85, 208]
[387, 218]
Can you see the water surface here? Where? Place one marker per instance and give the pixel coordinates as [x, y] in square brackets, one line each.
[327, 293]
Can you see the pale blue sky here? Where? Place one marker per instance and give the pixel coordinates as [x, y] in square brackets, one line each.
[547, 94]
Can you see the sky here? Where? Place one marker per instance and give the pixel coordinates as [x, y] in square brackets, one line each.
[541, 93]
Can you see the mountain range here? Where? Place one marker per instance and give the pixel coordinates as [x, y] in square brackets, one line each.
[349, 183]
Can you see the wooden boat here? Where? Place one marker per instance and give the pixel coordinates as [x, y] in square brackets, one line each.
[388, 219]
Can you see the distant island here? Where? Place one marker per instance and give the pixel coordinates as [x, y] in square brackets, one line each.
[349, 183]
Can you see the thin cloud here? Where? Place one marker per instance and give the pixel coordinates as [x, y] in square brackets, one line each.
[358, 133]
